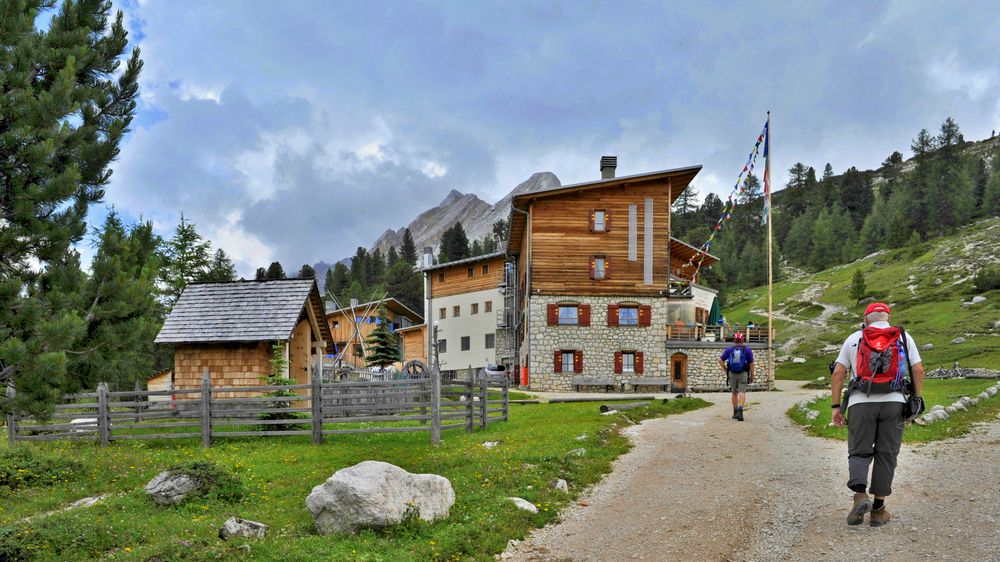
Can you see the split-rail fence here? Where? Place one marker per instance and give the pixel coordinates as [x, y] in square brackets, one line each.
[317, 409]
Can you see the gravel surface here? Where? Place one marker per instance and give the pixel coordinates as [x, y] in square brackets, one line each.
[701, 486]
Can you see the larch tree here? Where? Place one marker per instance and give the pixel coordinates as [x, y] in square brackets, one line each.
[221, 268]
[187, 258]
[67, 97]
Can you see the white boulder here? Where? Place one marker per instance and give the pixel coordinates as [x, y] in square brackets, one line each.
[959, 405]
[242, 528]
[375, 494]
[951, 409]
[984, 395]
[798, 360]
[560, 484]
[958, 340]
[171, 488]
[927, 347]
[524, 504]
[991, 391]
[966, 401]
[937, 407]
[978, 299]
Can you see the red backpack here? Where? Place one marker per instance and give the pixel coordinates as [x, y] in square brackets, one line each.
[881, 360]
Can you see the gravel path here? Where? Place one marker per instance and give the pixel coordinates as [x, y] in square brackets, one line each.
[701, 486]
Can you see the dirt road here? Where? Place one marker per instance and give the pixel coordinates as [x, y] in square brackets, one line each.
[701, 486]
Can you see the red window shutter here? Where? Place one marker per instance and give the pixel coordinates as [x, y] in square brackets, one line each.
[638, 362]
[607, 221]
[618, 362]
[584, 314]
[552, 314]
[592, 267]
[645, 315]
[557, 362]
[612, 315]
[578, 361]
[607, 268]
[593, 219]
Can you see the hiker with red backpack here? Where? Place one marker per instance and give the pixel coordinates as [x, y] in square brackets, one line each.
[883, 393]
[737, 362]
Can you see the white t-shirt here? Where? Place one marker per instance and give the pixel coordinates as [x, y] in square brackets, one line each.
[849, 358]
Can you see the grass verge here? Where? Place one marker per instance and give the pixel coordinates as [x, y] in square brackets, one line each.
[942, 392]
[278, 473]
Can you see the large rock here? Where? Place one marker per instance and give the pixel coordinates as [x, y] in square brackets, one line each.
[242, 528]
[171, 488]
[798, 360]
[375, 494]
[927, 347]
[978, 299]
[958, 340]
[524, 504]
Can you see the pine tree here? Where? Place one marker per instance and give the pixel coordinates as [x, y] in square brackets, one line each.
[856, 195]
[359, 266]
[827, 173]
[383, 346]
[991, 196]
[981, 177]
[405, 285]
[275, 271]
[687, 201]
[408, 251]
[339, 280]
[826, 249]
[376, 268]
[873, 232]
[221, 268]
[328, 282]
[500, 229]
[476, 250]
[858, 289]
[306, 272]
[261, 274]
[391, 257]
[187, 258]
[923, 144]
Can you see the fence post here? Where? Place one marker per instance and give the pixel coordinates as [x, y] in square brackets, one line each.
[435, 404]
[317, 406]
[470, 392]
[506, 398]
[103, 418]
[11, 419]
[484, 400]
[138, 400]
[206, 409]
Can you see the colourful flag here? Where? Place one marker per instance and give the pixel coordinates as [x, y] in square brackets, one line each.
[767, 173]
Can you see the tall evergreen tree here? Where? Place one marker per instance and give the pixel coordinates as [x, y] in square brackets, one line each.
[391, 257]
[500, 229]
[408, 251]
[339, 280]
[359, 266]
[261, 274]
[221, 268]
[306, 272]
[187, 258]
[275, 271]
[328, 282]
[405, 285]
[856, 195]
[476, 250]
[383, 345]
[376, 267]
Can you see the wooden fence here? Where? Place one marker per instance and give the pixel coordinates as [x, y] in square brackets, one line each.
[316, 409]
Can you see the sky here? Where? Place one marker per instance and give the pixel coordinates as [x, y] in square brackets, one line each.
[297, 131]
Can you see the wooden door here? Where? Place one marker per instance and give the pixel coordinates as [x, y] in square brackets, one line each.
[678, 372]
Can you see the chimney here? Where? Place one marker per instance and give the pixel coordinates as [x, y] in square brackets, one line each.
[608, 165]
[428, 256]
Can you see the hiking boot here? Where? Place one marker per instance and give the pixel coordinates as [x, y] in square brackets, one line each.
[739, 415]
[880, 517]
[734, 414]
[862, 505]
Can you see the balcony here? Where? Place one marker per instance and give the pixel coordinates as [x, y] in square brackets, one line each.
[504, 319]
[701, 332]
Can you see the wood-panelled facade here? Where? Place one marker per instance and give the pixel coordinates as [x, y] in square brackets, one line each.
[602, 247]
[351, 326]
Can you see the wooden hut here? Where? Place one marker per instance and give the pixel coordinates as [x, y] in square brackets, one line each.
[231, 328]
[352, 325]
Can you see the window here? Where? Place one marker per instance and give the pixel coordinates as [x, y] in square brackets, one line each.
[441, 313]
[490, 341]
[628, 315]
[475, 308]
[486, 268]
[442, 346]
[598, 267]
[336, 323]
[440, 277]
[567, 361]
[465, 343]
[358, 350]
[599, 221]
[488, 306]
[568, 314]
[455, 311]
[628, 361]
[472, 272]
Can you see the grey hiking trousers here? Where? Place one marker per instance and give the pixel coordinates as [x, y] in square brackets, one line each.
[874, 432]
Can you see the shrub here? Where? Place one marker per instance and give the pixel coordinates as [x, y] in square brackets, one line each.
[22, 467]
[987, 279]
[213, 481]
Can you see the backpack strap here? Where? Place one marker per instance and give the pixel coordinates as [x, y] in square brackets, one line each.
[909, 365]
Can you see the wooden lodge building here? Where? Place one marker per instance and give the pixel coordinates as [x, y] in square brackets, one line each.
[351, 326]
[230, 328]
[596, 293]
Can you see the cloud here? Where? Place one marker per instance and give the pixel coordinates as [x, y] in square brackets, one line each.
[951, 74]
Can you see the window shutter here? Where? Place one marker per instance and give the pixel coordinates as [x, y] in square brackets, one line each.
[638, 362]
[557, 362]
[618, 362]
[578, 361]
[584, 314]
[552, 314]
[645, 315]
[607, 268]
[607, 221]
[612, 315]
[593, 219]
[593, 267]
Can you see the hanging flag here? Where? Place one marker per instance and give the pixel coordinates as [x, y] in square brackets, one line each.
[767, 173]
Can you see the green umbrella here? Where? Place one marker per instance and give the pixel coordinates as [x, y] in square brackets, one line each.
[714, 315]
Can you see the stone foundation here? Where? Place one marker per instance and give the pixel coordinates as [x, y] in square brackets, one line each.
[703, 371]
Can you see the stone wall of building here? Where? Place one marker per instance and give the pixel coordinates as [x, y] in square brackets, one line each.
[704, 372]
[599, 342]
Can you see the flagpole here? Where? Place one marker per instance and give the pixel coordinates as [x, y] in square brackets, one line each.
[770, 261]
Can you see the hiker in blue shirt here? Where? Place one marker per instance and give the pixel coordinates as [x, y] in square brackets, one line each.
[737, 363]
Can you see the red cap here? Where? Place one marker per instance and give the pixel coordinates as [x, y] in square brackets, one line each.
[738, 336]
[877, 307]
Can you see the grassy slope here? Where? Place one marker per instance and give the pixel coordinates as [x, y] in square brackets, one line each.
[932, 315]
[280, 472]
[943, 392]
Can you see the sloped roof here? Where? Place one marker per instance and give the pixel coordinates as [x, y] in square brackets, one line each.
[244, 311]
[474, 259]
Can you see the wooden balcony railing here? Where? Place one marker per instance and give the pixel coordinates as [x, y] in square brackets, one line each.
[701, 332]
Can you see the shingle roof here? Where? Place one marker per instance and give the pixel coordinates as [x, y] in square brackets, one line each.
[238, 311]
